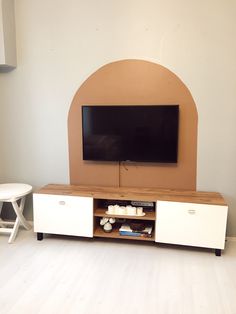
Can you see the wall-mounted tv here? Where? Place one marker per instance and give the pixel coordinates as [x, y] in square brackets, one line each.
[139, 133]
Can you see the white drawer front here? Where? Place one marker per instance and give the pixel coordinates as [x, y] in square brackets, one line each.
[191, 224]
[69, 215]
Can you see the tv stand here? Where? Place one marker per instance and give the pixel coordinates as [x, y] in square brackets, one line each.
[179, 217]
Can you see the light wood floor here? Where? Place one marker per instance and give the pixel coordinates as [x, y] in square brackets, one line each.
[73, 276]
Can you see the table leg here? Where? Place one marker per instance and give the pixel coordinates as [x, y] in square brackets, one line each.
[14, 230]
[39, 236]
[19, 210]
[20, 219]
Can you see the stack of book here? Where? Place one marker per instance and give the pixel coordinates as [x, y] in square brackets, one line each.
[128, 230]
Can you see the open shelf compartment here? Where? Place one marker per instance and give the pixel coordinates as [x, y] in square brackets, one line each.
[114, 234]
[100, 208]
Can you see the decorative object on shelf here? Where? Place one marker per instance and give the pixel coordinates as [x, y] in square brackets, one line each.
[139, 211]
[125, 210]
[137, 226]
[107, 223]
[144, 204]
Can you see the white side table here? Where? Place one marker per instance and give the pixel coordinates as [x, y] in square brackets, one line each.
[12, 192]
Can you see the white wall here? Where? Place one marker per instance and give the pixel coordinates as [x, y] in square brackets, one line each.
[60, 43]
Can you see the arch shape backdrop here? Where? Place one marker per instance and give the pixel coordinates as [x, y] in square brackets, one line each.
[135, 82]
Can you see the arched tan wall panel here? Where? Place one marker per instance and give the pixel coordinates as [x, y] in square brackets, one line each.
[135, 82]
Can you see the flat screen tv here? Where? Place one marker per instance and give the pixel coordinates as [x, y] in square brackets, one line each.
[139, 133]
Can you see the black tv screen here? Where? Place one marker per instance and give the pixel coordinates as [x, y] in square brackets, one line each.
[141, 133]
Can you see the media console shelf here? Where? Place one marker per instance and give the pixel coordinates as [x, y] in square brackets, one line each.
[101, 212]
[179, 217]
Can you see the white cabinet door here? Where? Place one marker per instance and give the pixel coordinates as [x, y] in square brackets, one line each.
[68, 215]
[200, 225]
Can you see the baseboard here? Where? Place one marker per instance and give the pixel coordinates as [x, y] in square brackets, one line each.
[231, 239]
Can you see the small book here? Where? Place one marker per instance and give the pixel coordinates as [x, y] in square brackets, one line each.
[135, 234]
[130, 233]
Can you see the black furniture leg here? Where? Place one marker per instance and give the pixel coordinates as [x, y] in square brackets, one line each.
[217, 252]
[39, 236]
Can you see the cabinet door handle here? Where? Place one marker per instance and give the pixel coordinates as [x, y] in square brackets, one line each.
[191, 211]
[62, 203]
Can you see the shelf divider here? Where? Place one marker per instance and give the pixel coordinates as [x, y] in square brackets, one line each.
[101, 212]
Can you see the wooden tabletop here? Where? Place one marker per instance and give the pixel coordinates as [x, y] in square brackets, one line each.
[12, 191]
[134, 193]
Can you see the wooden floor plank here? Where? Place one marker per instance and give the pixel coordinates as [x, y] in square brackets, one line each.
[72, 275]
